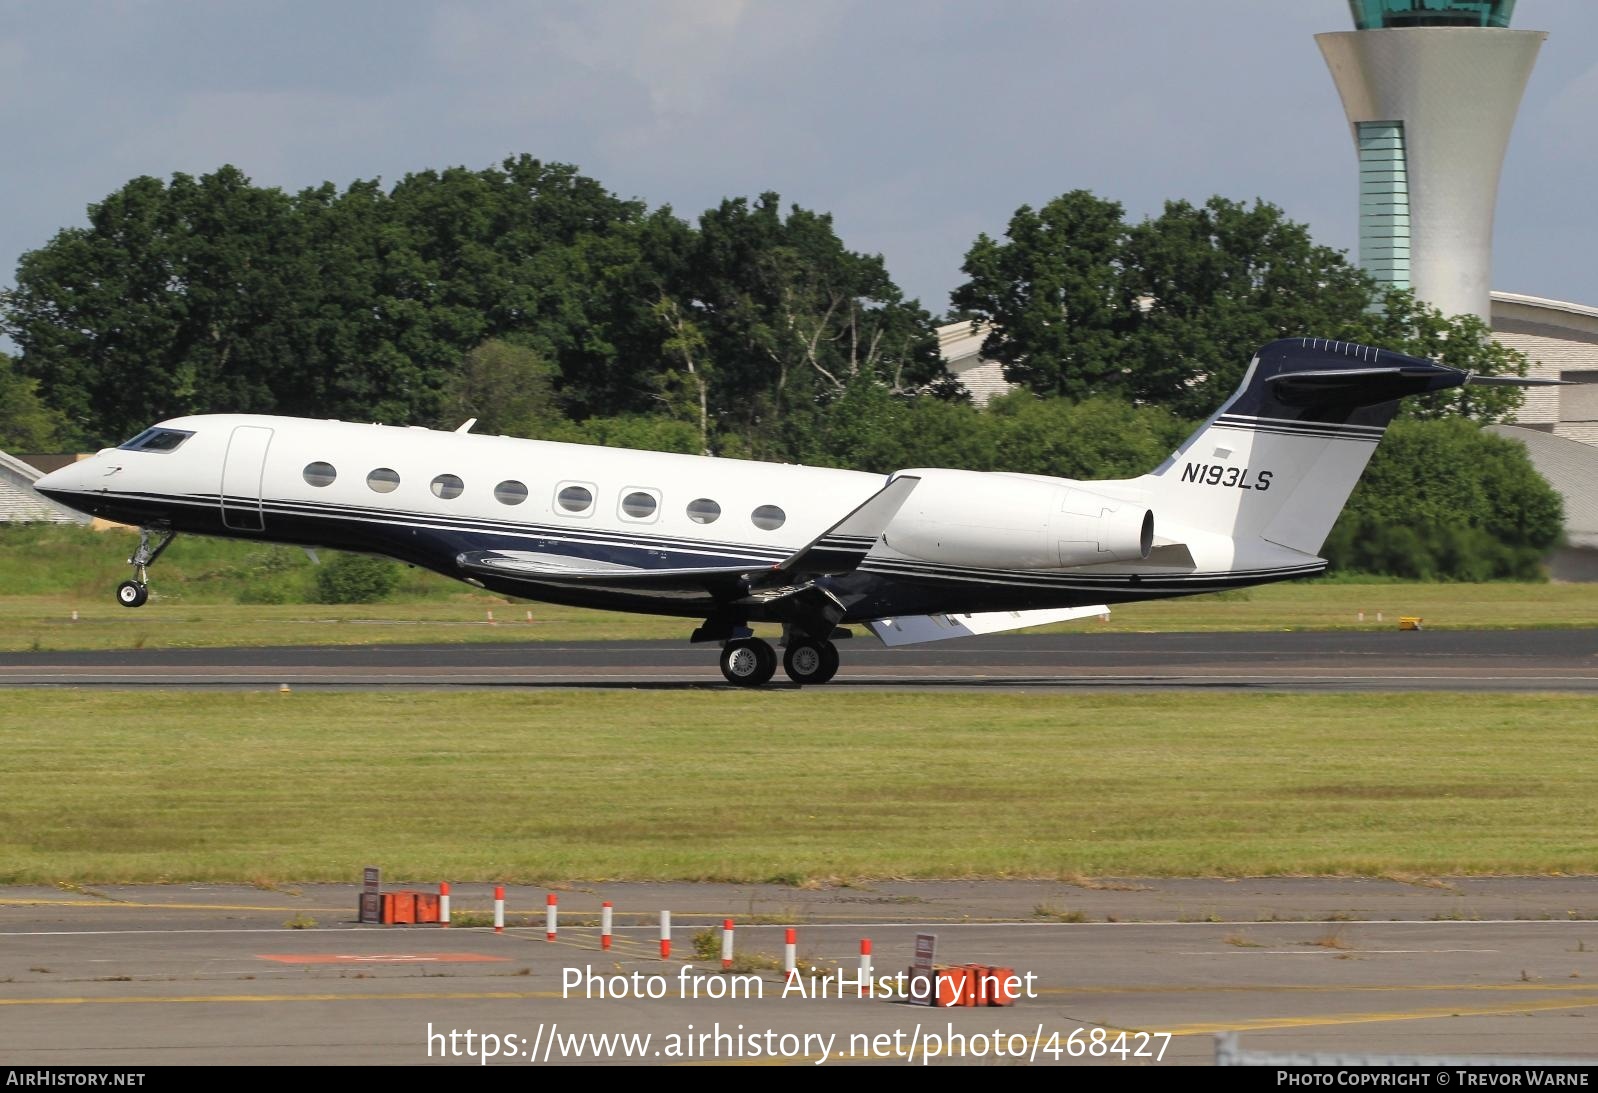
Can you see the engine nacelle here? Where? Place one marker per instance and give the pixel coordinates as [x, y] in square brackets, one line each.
[990, 520]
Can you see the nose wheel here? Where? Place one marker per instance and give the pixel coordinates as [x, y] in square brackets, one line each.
[136, 593]
[748, 662]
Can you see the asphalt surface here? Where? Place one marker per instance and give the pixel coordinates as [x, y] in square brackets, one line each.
[1389, 660]
[1501, 968]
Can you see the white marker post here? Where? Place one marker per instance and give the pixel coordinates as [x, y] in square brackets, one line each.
[499, 908]
[865, 965]
[550, 928]
[665, 935]
[443, 903]
[604, 925]
[790, 952]
[726, 944]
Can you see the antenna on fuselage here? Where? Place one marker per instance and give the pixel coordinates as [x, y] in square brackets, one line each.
[466, 426]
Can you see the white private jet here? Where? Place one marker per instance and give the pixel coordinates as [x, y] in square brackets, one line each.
[917, 555]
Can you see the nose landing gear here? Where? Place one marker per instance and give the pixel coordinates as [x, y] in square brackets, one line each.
[136, 593]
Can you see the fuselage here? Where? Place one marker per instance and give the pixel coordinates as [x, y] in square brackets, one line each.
[427, 497]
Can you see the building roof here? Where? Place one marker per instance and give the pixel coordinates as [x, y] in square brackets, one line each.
[1543, 304]
[19, 504]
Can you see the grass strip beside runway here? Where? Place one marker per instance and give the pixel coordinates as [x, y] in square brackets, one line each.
[177, 617]
[791, 786]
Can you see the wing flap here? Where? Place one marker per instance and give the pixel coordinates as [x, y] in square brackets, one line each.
[915, 629]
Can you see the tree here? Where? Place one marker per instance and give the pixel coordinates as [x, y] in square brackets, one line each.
[1215, 282]
[508, 388]
[789, 318]
[213, 294]
[1056, 296]
[1412, 326]
[1443, 499]
[27, 424]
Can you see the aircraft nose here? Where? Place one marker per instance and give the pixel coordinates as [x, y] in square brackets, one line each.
[51, 481]
[62, 481]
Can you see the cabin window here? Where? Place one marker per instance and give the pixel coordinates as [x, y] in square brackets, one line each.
[640, 505]
[575, 499]
[319, 474]
[447, 486]
[383, 480]
[157, 440]
[768, 517]
[510, 492]
[704, 511]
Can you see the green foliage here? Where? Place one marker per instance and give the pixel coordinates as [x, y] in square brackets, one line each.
[213, 294]
[1056, 296]
[1412, 326]
[1096, 438]
[707, 943]
[1217, 282]
[517, 294]
[1169, 311]
[647, 432]
[508, 388]
[356, 578]
[1443, 500]
[26, 423]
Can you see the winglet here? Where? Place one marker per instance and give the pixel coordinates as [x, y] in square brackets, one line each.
[842, 547]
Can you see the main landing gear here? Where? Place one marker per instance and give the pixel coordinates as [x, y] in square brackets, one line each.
[750, 662]
[136, 593]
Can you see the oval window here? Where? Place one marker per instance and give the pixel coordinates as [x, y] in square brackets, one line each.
[576, 498]
[447, 486]
[704, 511]
[768, 517]
[639, 505]
[510, 492]
[383, 480]
[320, 474]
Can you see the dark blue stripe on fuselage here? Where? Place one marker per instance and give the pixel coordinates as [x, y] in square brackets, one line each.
[879, 587]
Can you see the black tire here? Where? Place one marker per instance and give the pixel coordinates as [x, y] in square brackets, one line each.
[132, 594]
[748, 662]
[830, 651]
[810, 662]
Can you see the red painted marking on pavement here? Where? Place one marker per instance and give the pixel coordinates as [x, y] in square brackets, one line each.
[380, 958]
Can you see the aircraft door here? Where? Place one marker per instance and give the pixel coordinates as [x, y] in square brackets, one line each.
[242, 470]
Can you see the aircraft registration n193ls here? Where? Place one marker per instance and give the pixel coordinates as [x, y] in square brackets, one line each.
[917, 555]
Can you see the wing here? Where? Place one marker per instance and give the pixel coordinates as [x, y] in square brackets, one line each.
[839, 549]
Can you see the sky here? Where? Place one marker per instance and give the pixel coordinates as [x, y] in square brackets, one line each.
[916, 124]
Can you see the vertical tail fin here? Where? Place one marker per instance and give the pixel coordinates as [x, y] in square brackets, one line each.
[1279, 460]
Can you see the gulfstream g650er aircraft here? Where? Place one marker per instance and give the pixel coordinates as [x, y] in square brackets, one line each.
[915, 556]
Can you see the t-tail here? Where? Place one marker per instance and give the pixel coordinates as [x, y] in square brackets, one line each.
[1275, 465]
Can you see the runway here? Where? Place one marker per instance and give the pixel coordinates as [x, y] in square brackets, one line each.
[150, 975]
[1306, 662]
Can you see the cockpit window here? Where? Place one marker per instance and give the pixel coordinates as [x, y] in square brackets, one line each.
[158, 440]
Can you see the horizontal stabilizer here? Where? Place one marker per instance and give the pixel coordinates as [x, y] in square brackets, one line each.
[1362, 386]
[1514, 381]
[915, 629]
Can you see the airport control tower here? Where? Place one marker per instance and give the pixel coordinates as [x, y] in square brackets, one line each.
[1431, 88]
